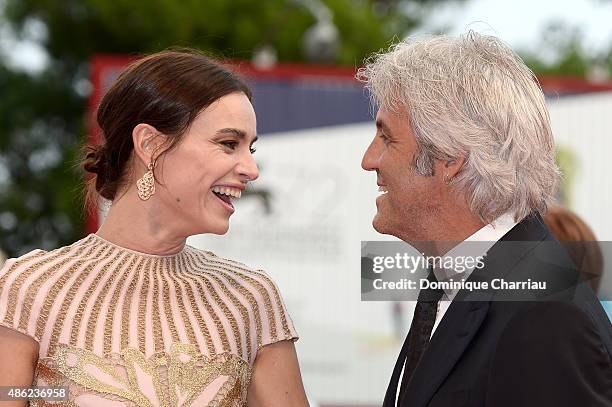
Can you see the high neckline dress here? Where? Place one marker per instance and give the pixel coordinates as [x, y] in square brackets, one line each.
[124, 328]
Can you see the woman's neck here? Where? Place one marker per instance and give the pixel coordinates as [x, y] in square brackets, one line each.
[130, 223]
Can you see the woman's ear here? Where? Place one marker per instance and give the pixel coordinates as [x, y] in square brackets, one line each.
[147, 143]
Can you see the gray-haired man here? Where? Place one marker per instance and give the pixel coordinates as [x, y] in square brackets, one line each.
[464, 153]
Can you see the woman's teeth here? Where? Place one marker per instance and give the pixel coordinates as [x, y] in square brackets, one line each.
[229, 191]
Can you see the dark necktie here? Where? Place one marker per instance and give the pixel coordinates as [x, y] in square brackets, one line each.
[420, 330]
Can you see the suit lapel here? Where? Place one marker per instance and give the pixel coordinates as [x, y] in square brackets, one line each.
[463, 318]
[456, 330]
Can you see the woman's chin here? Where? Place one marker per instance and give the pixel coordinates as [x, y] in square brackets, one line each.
[219, 229]
[209, 222]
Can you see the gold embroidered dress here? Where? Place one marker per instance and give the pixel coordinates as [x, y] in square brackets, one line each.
[123, 328]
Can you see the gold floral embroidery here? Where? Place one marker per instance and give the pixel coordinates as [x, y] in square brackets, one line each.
[179, 376]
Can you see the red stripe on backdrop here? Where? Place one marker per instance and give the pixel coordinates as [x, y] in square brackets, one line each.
[571, 85]
[289, 71]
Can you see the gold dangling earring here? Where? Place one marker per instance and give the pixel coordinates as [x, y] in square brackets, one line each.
[146, 184]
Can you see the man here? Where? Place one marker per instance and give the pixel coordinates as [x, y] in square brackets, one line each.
[464, 153]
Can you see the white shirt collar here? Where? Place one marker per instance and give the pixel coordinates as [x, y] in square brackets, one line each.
[488, 235]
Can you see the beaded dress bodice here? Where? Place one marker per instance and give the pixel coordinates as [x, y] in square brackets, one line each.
[123, 328]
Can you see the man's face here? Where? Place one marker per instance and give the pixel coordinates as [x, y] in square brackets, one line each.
[409, 201]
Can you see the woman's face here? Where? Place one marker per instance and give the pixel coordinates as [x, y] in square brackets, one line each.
[208, 169]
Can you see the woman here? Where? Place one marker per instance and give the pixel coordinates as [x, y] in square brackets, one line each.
[131, 315]
[580, 242]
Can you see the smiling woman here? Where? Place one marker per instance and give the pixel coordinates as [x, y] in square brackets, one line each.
[131, 315]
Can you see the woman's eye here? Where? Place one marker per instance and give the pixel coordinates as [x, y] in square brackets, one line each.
[233, 145]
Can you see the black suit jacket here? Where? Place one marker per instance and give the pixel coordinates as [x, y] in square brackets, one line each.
[495, 353]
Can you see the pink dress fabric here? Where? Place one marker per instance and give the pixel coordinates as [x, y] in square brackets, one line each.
[123, 328]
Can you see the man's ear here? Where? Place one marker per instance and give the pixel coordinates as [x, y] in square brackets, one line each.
[147, 143]
[448, 168]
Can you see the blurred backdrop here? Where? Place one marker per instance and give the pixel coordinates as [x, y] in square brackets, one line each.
[304, 218]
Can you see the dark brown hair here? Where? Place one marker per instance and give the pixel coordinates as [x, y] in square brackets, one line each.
[579, 241]
[166, 90]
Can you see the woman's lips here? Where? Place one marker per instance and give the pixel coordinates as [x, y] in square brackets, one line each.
[225, 202]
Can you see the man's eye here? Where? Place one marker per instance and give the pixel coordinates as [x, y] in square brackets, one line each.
[384, 138]
[230, 144]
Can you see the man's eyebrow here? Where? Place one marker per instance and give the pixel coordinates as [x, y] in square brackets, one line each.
[235, 132]
[380, 125]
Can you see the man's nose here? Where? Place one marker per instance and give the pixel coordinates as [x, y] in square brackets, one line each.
[369, 162]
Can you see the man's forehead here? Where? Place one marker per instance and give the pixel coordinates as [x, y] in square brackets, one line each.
[382, 117]
[389, 117]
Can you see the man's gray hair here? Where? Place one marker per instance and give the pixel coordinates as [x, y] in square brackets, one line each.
[472, 96]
